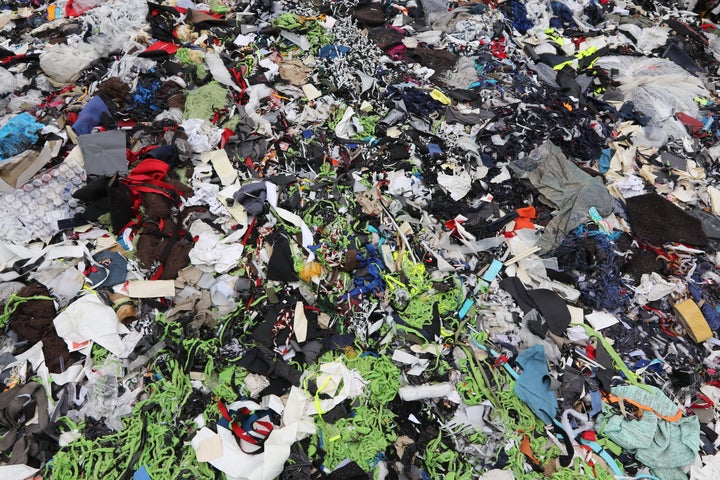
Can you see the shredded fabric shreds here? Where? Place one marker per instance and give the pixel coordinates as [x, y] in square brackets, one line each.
[590, 257]
[143, 441]
[255, 240]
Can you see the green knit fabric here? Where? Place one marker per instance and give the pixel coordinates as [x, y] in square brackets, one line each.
[662, 445]
[203, 102]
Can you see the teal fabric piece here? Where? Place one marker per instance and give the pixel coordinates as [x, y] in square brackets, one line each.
[533, 385]
[669, 474]
[663, 446]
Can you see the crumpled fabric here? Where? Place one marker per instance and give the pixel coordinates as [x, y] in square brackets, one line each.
[113, 24]
[209, 250]
[663, 446]
[653, 287]
[335, 383]
[88, 319]
[710, 312]
[90, 116]
[7, 82]
[202, 135]
[658, 88]
[18, 134]
[263, 361]
[200, 305]
[564, 186]
[18, 430]
[33, 321]
[709, 470]
[252, 196]
[63, 63]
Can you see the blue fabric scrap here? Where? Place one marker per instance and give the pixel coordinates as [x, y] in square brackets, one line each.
[90, 116]
[518, 17]
[333, 51]
[564, 14]
[368, 275]
[604, 160]
[709, 311]
[434, 150]
[18, 134]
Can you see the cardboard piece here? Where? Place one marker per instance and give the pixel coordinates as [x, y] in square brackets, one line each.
[16, 171]
[692, 319]
[104, 153]
[151, 288]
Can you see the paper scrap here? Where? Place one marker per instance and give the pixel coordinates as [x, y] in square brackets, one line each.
[600, 320]
[311, 92]
[89, 319]
[151, 288]
[221, 163]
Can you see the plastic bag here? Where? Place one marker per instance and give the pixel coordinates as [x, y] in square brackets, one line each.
[659, 88]
[114, 25]
[103, 401]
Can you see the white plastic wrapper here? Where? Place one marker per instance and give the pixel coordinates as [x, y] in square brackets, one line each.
[659, 88]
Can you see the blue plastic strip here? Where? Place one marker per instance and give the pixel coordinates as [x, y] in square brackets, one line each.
[469, 302]
[492, 271]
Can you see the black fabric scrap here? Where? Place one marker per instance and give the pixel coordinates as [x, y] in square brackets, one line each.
[280, 266]
[453, 116]
[265, 362]
[573, 383]
[349, 471]
[546, 302]
[645, 261]
[553, 308]
[604, 375]
[517, 290]
[659, 221]
[18, 405]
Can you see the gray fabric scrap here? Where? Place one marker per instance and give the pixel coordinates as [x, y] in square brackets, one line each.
[564, 186]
